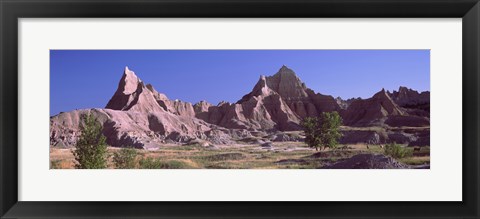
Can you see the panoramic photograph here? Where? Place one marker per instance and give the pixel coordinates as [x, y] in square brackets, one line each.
[239, 109]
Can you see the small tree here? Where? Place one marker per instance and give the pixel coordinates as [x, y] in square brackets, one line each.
[91, 148]
[396, 151]
[125, 158]
[312, 132]
[329, 129]
[322, 132]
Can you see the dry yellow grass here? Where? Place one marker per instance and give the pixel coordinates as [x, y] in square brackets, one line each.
[240, 156]
[416, 160]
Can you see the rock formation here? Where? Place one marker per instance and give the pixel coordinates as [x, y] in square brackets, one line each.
[277, 102]
[138, 115]
[379, 110]
[371, 111]
[344, 104]
[406, 97]
[414, 102]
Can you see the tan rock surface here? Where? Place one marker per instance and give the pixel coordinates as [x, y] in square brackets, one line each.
[276, 102]
[140, 116]
[136, 115]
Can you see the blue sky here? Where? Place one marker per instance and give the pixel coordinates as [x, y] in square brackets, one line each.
[88, 78]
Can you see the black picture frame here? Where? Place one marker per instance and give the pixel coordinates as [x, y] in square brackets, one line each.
[12, 10]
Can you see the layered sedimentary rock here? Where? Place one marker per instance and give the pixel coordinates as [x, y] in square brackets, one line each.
[344, 104]
[137, 115]
[277, 102]
[379, 110]
[371, 111]
[140, 116]
[414, 102]
[406, 97]
[301, 100]
[176, 107]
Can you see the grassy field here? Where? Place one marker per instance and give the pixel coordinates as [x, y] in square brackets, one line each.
[283, 155]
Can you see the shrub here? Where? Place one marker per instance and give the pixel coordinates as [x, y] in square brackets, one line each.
[227, 156]
[149, 163]
[155, 163]
[396, 151]
[329, 129]
[91, 150]
[312, 133]
[55, 164]
[323, 131]
[125, 158]
[174, 164]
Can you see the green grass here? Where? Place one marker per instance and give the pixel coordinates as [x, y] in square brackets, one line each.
[190, 147]
[125, 158]
[397, 151]
[226, 156]
[157, 163]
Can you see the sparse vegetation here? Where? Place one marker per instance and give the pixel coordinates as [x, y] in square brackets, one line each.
[91, 149]
[125, 158]
[284, 155]
[55, 164]
[150, 163]
[156, 163]
[227, 156]
[416, 160]
[397, 151]
[323, 131]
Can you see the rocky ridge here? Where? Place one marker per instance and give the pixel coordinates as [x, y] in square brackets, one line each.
[138, 115]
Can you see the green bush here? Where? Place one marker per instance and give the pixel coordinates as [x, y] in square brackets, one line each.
[55, 164]
[322, 131]
[312, 132]
[125, 158]
[397, 151]
[91, 149]
[155, 163]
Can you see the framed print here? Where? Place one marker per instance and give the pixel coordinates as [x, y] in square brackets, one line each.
[239, 109]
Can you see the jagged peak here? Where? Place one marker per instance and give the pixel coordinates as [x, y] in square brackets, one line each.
[381, 94]
[404, 89]
[128, 72]
[202, 102]
[260, 89]
[129, 89]
[262, 83]
[284, 70]
[286, 83]
[129, 82]
[223, 102]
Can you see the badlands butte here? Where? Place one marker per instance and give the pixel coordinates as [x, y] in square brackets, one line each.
[139, 116]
